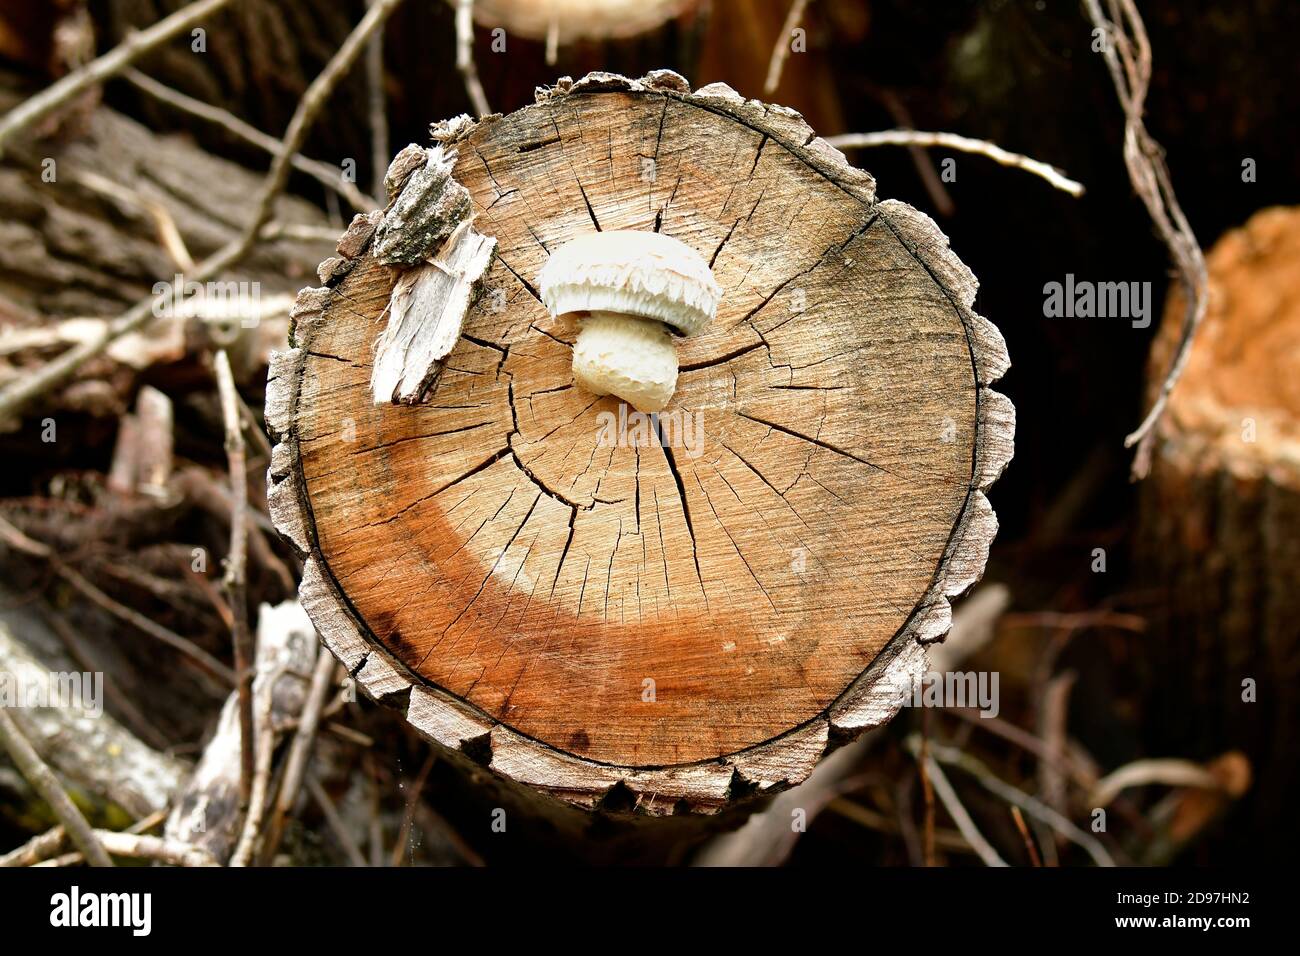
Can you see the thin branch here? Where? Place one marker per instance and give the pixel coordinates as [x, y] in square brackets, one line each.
[158, 849]
[300, 750]
[169, 236]
[921, 160]
[465, 57]
[323, 173]
[1053, 716]
[1168, 771]
[379, 155]
[304, 117]
[235, 581]
[1030, 847]
[121, 702]
[911, 137]
[243, 855]
[136, 847]
[43, 781]
[98, 70]
[20, 542]
[37, 848]
[1128, 58]
[782, 49]
[927, 790]
[335, 823]
[17, 395]
[1031, 805]
[948, 796]
[1080, 775]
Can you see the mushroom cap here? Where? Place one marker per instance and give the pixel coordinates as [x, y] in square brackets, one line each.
[578, 19]
[644, 274]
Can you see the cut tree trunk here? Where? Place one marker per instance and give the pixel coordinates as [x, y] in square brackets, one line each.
[1220, 532]
[654, 626]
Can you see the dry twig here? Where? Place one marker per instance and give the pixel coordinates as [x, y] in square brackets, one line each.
[300, 750]
[465, 56]
[377, 110]
[1127, 51]
[1053, 715]
[19, 541]
[948, 796]
[1031, 805]
[1030, 848]
[235, 581]
[782, 49]
[335, 823]
[1168, 771]
[323, 173]
[136, 847]
[98, 70]
[37, 848]
[911, 137]
[248, 837]
[169, 237]
[43, 781]
[158, 849]
[921, 160]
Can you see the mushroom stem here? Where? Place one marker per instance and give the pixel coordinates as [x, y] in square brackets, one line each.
[626, 356]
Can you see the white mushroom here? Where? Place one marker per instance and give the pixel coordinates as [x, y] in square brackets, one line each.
[570, 20]
[632, 290]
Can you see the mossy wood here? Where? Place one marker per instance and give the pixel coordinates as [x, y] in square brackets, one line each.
[692, 621]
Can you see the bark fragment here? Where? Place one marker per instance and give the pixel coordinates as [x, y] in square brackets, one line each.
[429, 207]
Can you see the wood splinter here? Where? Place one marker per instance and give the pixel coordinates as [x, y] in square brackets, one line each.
[657, 628]
[425, 315]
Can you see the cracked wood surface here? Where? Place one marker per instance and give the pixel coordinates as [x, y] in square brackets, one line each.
[774, 581]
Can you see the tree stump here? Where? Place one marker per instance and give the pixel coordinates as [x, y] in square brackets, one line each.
[651, 626]
[1220, 533]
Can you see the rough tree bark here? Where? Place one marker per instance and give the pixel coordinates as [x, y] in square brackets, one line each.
[1220, 530]
[644, 630]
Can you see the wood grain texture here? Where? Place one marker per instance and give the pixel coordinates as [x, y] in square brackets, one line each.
[776, 580]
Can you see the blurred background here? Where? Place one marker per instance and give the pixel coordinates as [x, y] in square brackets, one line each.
[1122, 682]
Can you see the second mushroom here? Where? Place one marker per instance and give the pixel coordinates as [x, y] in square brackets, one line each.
[633, 291]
